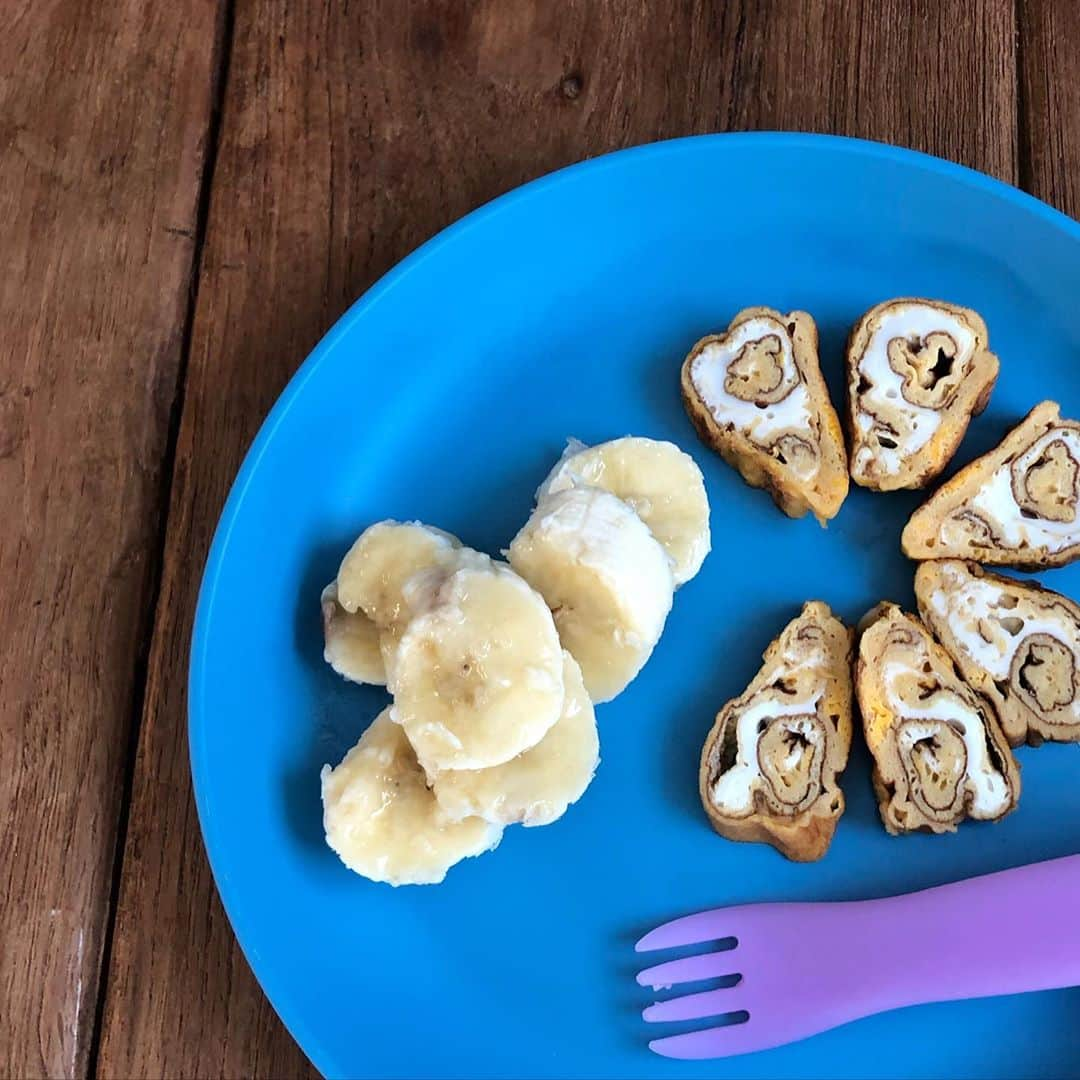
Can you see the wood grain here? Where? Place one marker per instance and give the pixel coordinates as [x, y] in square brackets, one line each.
[1050, 98]
[349, 135]
[101, 152]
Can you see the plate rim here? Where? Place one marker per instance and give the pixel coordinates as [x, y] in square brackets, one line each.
[306, 1039]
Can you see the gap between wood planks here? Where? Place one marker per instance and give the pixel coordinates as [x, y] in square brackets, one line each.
[223, 44]
[1023, 178]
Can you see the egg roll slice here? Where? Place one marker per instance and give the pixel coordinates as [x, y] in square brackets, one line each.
[1015, 506]
[771, 763]
[918, 370]
[755, 394]
[1015, 642]
[940, 755]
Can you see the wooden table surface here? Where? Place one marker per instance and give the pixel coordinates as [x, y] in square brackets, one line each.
[190, 194]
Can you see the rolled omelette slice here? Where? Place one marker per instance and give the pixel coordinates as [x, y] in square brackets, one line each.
[1015, 642]
[1015, 506]
[770, 765]
[755, 394]
[918, 370]
[940, 755]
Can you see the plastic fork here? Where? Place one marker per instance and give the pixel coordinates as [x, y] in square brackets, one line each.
[808, 967]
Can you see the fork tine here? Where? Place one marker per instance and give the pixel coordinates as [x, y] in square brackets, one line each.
[689, 930]
[714, 1042]
[688, 969]
[692, 1006]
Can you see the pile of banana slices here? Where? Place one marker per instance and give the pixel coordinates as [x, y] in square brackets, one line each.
[494, 667]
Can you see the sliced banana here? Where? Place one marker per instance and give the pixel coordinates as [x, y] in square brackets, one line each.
[391, 574]
[420, 593]
[536, 787]
[662, 484]
[374, 572]
[384, 822]
[605, 577]
[352, 646]
[478, 678]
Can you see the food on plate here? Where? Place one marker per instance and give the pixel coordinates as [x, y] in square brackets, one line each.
[918, 370]
[605, 577]
[351, 641]
[756, 395]
[478, 674]
[494, 668]
[939, 753]
[660, 482]
[771, 763]
[383, 820]
[374, 572]
[1015, 506]
[1013, 641]
[368, 594]
[537, 786]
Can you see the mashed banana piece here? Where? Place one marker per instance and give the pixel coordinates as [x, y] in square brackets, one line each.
[478, 676]
[536, 787]
[659, 482]
[606, 578]
[384, 822]
[351, 641]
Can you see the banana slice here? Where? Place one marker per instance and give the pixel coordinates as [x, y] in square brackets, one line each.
[384, 822]
[420, 594]
[390, 574]
[478, 678]
[662, 484]
[605, 577]
[353, 648]
[374, 572]
[536, 787]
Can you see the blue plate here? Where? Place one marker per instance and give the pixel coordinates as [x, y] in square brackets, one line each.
[444, 394]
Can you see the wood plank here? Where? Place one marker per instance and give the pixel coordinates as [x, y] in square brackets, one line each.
[104, 110]
[1050, 101]
[349, 136]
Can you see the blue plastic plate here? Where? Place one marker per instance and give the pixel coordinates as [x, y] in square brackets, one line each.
[444, 394]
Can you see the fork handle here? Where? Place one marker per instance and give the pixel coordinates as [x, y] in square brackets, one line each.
[1004, 933]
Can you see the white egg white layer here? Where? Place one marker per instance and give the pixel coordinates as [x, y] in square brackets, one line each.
[996, 501]
[733, 791]
[989, 789]
[917, 423]
[709, 370]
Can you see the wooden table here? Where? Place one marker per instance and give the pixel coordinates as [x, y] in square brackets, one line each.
[190, 194]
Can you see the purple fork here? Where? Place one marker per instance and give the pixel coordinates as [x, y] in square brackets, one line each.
[808, 967]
